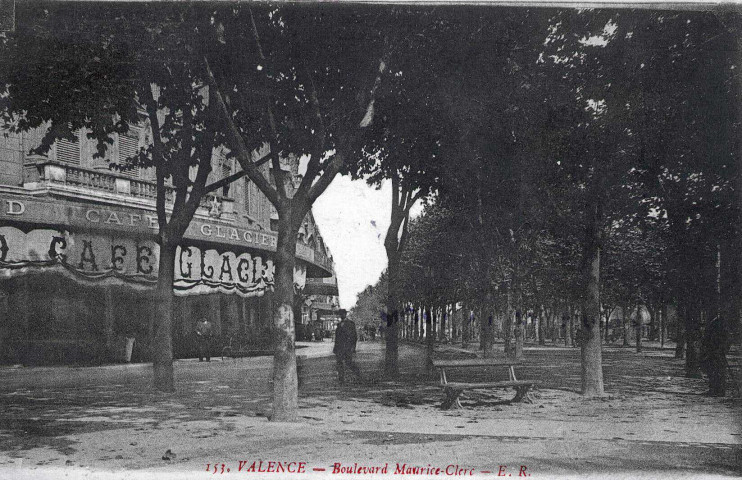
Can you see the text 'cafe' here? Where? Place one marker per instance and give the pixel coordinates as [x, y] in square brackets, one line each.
[77, 281]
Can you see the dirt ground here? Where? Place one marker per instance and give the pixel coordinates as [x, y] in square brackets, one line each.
[106, 422]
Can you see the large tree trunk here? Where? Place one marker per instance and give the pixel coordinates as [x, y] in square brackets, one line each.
[457, 324]
[625, 325]
[652, 336]
[442, 331]
[592, 362]
[488, 329]
[715, 338]
[482, 326]
[518, 352]
[162, 336]
[555, 324]
[393, 244]
[680, 331]
[541, 330]
[738, 189]
[507, 326]
[573, 327]
[423, 326]
[416, 324]
[429, 340]
[692, 342]
[734, 24]
[285, 381]
[465, 326]
[391, 355]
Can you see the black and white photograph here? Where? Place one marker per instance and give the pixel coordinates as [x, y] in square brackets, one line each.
[368, 239]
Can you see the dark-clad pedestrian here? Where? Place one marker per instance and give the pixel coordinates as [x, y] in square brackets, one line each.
[345, 347]
[204, 334]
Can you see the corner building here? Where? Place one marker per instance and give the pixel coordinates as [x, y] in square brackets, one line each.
[79, 258]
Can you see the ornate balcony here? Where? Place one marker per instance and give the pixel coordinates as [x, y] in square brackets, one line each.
[57, 177]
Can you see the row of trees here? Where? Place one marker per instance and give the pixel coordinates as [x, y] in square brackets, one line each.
[589, 163]
[540, 131]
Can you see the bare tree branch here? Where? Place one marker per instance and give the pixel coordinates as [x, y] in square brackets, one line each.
[314, 166]
[278, 174]
[235, 176]
[326, 178]
[317, 188]
[241, 151]
[420, 194]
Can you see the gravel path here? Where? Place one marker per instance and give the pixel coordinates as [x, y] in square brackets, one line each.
[106, 422]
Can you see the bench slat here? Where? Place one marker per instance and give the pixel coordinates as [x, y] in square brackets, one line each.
[468, 386]
[476, 362]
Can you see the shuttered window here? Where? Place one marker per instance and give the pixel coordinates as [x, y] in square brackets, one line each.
[128, 148]
[69, 151]
[248, 194]
[226, 171]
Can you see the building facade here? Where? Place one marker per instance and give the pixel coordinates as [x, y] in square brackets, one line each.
[79, 257]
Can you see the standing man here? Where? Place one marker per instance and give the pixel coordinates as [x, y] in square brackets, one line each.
[203, 332]
[345, 346]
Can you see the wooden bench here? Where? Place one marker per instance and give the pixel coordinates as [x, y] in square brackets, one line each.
[238, 346]
[454, 389]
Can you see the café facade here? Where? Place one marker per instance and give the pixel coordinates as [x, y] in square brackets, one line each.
[79, 258]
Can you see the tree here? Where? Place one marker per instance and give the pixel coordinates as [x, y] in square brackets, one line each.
[304, 83]
[107, 69]
[405, 146]
[370, 305]
[641, 76]
[686, 168]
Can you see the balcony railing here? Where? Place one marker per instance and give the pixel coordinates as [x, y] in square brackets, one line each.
[40, 172]
[43, 172]
[90, 179]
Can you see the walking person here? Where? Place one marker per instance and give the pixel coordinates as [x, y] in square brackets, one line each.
[203, 334]
[345, 347]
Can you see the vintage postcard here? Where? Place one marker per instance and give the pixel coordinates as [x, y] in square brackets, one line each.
[370, 240]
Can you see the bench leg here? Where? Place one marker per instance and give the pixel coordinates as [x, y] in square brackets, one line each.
[522, 394]
[452, 398]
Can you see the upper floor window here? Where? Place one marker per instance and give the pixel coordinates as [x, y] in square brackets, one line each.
[81, 150]
[68, 151]
[128, 147]
[226, 171]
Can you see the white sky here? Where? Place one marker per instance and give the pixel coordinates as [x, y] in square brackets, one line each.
[353, 219]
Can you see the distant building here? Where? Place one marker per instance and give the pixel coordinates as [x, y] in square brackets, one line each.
[78, 256]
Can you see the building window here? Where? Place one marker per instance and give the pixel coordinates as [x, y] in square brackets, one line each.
[248, 193]
[69, 151]
[226, 171]
[128, 148]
